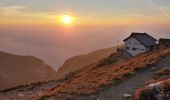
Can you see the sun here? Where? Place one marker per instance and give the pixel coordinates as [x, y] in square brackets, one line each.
[67, 19]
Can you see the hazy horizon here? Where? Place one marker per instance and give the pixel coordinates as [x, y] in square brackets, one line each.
[32, 27]
[55, 46]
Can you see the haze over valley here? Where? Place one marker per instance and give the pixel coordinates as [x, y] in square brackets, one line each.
[54, 44]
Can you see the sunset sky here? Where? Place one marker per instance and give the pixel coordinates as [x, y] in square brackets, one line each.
[86, 11]
[35, 27]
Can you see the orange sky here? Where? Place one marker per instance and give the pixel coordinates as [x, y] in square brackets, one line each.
[86, 13]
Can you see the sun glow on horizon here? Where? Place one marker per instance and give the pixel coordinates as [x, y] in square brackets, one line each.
[66, 19]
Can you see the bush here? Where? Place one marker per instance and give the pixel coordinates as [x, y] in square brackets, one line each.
[166, 86]
[144, 94]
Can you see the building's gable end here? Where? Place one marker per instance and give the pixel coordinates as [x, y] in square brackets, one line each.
[136, 40]
[134, 47]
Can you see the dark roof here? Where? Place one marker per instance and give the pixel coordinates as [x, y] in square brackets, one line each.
[144, 38]
[164, 40]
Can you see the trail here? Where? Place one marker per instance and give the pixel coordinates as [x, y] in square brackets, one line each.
[129, 85]
[28, 91]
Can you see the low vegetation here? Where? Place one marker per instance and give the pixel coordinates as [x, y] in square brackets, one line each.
[31, 85]
[163, 74]
[108, 61]
[94, 77]
[148, 93]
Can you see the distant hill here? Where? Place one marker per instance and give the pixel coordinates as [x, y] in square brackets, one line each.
[78, 62]
[16, 70]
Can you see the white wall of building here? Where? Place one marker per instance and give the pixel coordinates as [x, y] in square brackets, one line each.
[135, 47]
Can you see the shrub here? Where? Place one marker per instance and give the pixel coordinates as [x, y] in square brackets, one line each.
[144, 94]
[166, 86]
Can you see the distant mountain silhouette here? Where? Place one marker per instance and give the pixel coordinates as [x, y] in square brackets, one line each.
[17, 70]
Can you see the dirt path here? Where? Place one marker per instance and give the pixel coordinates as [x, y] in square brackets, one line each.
[28, 91]
[129, 85]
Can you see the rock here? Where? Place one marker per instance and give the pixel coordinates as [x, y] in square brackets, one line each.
[127, 96]
[155, 85]
[69, 97]
[93, 96]
[153, 68]
[20, 95]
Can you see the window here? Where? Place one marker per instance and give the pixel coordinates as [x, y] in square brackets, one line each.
[134, 49]
[127, 48]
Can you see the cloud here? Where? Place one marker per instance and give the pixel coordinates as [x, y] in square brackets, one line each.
[14, 7]
[11, 10]
[20, 13]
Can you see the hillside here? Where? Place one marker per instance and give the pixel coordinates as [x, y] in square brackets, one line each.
[78, 62]
[17, 70]
[108, 79]
[94, 78]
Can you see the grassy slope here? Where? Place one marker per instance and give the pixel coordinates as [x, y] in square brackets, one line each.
[17, 70]
[94, 77]
[78, 62]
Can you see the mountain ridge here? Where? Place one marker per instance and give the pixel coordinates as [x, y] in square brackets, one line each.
[17, 70]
